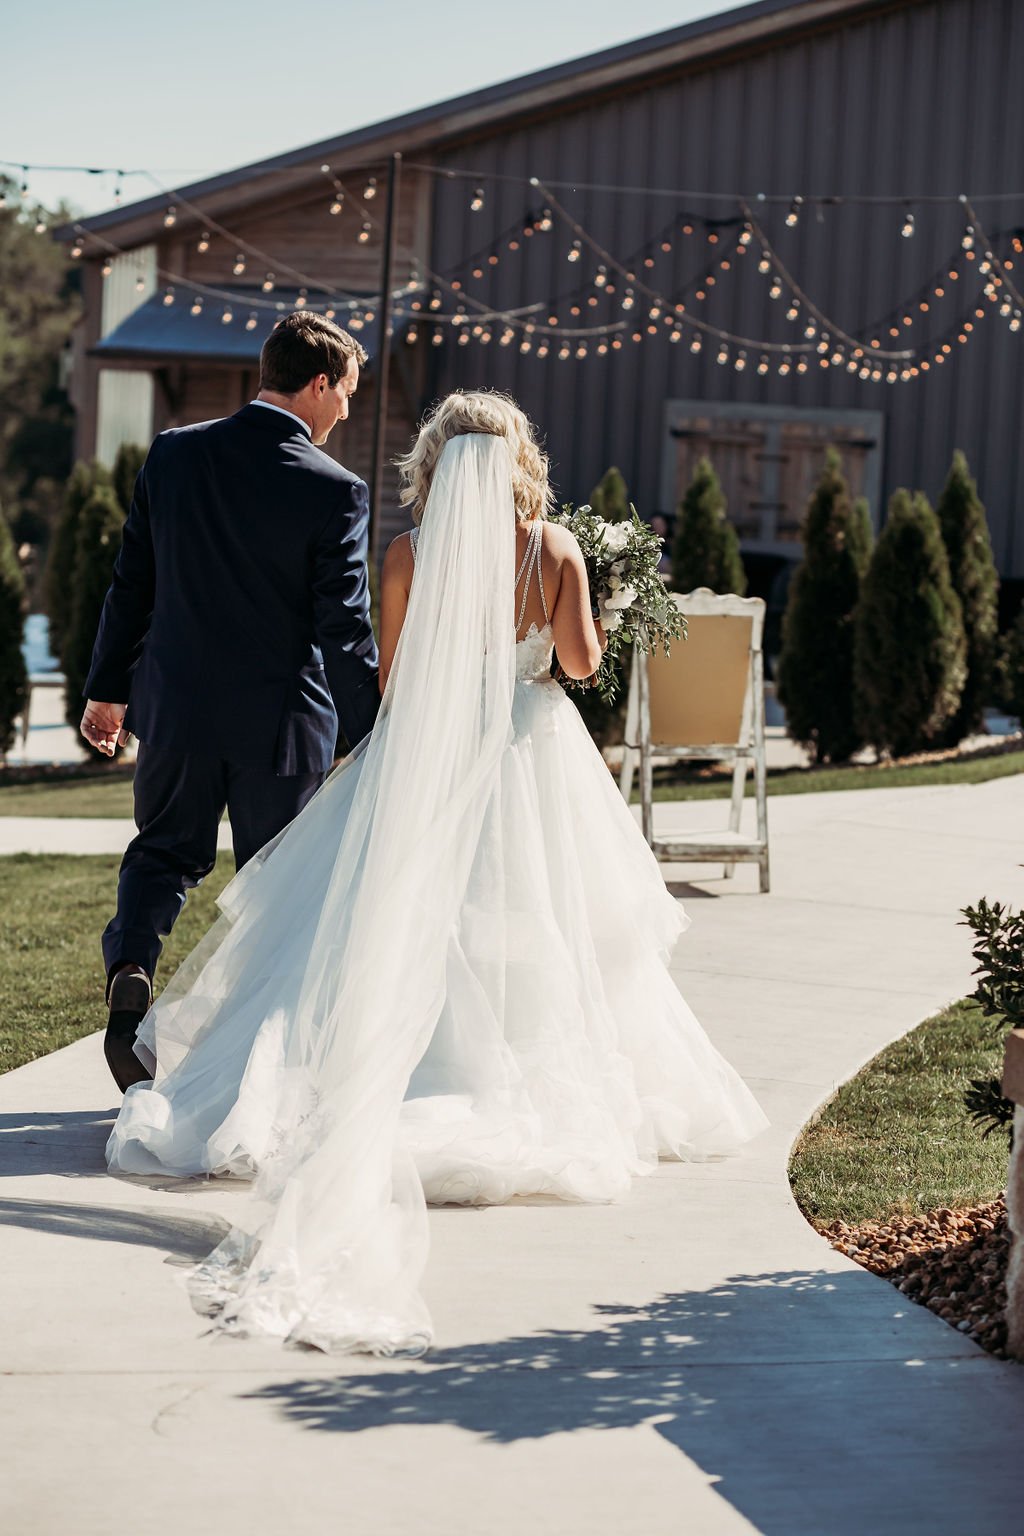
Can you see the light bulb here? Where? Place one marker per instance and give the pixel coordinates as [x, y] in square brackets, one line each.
[203, 243]
[170, 217]
[336, 206]
[106, 268]
[227, 317]
[908, 225]
[477, 200]
[197, 306]
[574, 251]
[169, 297]
[364, 233]
[267, 284]
[239, 266]
[252, 321]
[793, 216]
[370, 190]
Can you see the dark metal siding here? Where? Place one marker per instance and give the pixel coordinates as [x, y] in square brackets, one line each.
[921, 98]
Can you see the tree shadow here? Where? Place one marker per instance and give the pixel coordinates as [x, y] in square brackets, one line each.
[805, 1424]
[185, 1239]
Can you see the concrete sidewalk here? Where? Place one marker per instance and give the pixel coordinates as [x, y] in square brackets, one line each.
[696, 1360]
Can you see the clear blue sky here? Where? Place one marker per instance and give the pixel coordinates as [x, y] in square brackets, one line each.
[204, 85]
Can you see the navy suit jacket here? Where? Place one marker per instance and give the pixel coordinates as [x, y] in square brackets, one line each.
[237, 624]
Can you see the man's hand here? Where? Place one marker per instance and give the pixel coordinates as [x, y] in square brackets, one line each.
[102, 726]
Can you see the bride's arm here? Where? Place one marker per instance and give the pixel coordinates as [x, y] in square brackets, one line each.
[579, 641]
[395, 584]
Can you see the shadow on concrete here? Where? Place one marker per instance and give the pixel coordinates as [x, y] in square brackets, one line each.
[183, 1238]
[805, 1425]
[69, 1142]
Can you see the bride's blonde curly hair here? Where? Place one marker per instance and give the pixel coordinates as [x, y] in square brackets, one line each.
[478, 410]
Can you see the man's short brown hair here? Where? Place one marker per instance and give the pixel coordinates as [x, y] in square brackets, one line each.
[303, 345]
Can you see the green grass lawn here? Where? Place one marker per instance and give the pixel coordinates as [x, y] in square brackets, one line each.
[72, 797]
[802, 781]
[53, 908]
[896, 1139]
[113, 797]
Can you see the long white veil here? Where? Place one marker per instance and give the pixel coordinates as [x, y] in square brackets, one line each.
[335, 1240]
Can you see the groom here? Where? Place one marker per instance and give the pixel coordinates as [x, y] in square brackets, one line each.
[235, 635]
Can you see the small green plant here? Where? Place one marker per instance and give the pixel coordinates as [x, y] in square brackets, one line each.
[706, 550]
[815, 669]
[610, 497]
[973, 574]
[999, 991]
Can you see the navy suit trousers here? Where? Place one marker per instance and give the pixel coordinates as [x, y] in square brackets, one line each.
[180, 798]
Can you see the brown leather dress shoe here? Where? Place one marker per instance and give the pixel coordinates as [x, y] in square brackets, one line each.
[131, 994]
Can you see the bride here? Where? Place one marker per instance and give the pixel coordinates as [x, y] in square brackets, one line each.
[446, 981]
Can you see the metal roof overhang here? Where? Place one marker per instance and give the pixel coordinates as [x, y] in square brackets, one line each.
[157, 332]
[748, 26]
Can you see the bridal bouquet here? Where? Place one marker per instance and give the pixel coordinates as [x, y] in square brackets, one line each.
[628, 596]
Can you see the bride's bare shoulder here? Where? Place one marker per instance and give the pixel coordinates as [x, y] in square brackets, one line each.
[399, 556]
[559, 541]
[399, 562]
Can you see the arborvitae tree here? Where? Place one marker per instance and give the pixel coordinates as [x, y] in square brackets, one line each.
[13, 676]
[910, 652]
[1011, 670]
[706, 551]
[60, 570]
[99, 540]
[130, 459]
[610, 498]
[973, 573]
[815, 670]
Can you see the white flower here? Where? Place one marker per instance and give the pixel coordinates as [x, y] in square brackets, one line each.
[610, 620]
[616, 536]
[622, 597]
[613, 583]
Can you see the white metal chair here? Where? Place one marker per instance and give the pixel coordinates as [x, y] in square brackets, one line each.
[705, 700]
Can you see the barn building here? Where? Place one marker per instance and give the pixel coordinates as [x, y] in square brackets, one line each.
[661, 250]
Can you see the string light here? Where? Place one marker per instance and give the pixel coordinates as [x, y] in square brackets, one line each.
[575, 251]
[170, 217]
[364, 233]
[197, 305]
[203, 243]
[226, 317]
[908, 225]
[169, 297]
[252, 321]
[793, 216]
[106, 268]
[477, 202]
[267, 285]
[239, 266]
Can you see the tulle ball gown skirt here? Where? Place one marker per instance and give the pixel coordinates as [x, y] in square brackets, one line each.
[470, 1029]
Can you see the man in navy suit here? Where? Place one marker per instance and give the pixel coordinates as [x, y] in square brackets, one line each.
[235, 635]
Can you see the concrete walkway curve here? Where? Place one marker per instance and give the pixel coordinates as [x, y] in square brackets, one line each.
[694, 1361]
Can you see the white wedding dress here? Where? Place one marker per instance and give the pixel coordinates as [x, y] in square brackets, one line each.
[445, 981]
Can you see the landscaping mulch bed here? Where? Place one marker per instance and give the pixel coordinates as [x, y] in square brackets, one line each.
[951, 1261]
